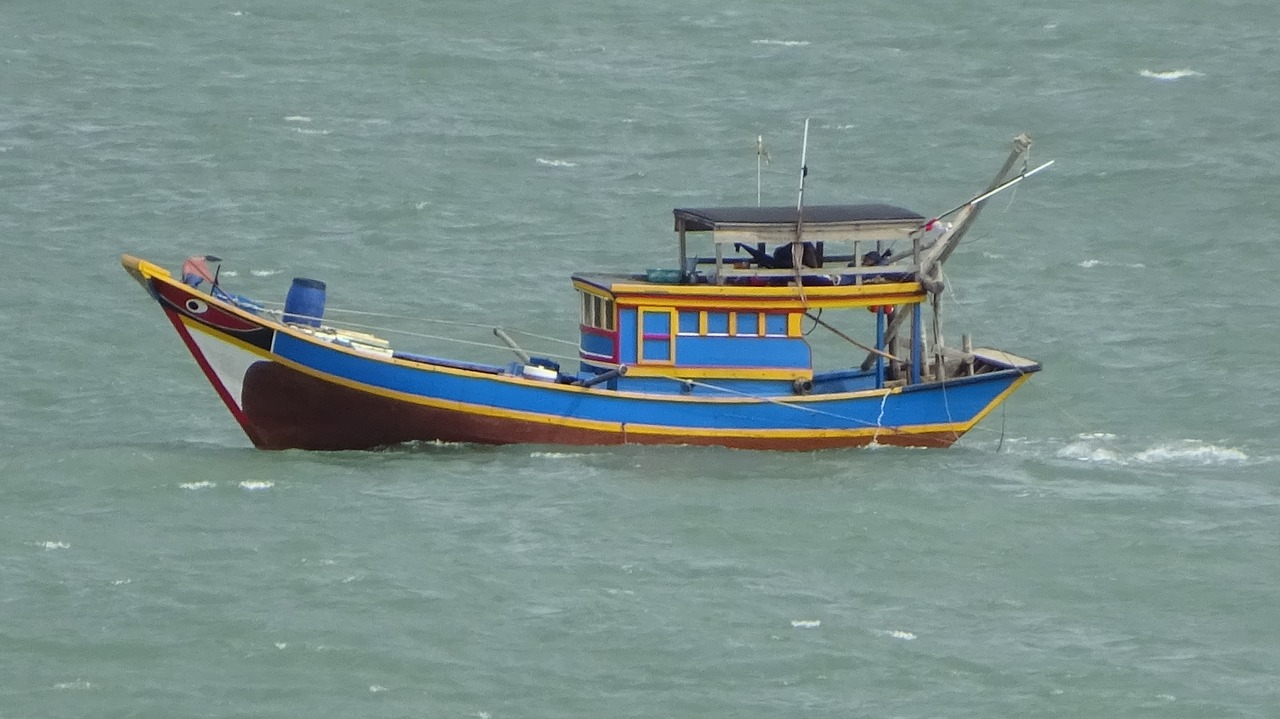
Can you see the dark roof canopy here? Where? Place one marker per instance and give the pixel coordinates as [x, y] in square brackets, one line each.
[712, 218]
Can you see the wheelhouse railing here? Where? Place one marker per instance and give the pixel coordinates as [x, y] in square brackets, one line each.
[829, 244]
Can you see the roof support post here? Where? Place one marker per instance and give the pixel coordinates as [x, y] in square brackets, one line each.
[880, 312]
[684, 255]
[917, 343]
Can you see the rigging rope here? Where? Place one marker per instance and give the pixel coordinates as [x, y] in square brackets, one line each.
[778, 402]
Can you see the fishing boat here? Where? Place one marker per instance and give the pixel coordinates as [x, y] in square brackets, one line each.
[714, 351]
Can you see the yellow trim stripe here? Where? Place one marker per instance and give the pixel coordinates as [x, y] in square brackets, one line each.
[778, 292]
[793, 305]
[592, 290]
[647, 370]
[794, 328]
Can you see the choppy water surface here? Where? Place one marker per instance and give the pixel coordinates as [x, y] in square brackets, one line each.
[1104, 546]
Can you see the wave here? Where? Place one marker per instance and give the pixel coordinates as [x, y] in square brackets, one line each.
[806, 623]
[297, 118]
[1194, 454]
[555, 163]
[783, 43]
[1091, 263]
[254, 486]
[79, 684]
[1169, 75]
[1102, 448]
[198, 485]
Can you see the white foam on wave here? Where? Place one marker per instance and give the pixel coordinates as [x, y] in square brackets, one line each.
[309, 131]
[1189, 452]
[375, 688]
[264, 273]
[556, 455]
[1087, 264]
[1169, 75]
[198, 485]
[783, 43]
[297, 118]
[555, 163]
[77, 684]
[55, 545]
[254, 486]
[1100, 448]
[806, 623]
[1084, 453]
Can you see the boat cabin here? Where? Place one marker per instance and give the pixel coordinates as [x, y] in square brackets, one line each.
[738, 315]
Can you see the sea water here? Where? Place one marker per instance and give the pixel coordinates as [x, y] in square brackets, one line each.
[1105, 545]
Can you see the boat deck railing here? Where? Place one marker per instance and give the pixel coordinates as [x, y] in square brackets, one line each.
[847, 269]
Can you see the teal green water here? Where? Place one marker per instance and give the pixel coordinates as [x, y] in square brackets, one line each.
[1106, 546]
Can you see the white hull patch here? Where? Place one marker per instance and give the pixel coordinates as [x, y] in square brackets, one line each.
[229, 362]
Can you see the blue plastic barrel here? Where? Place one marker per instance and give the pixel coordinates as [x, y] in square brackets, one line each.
[304, 305]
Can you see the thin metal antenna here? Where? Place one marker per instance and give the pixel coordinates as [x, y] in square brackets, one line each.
[797, 247]
[217, 272]
[804, 166]
[762, 158]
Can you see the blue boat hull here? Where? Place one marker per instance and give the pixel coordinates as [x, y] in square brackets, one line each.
[288, 389]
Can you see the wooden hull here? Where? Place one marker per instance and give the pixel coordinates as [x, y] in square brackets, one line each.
[288, 389]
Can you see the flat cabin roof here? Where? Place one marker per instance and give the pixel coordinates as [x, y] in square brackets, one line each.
[873, 221]
[711, 218]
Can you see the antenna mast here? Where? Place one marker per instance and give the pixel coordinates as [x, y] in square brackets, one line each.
[804, 172]
[797, 248]
[762, 158]
[804, 167]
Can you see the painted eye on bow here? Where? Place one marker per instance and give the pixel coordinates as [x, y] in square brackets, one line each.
[197, 306]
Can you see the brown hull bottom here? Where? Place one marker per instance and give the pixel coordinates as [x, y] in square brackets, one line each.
[287, 409]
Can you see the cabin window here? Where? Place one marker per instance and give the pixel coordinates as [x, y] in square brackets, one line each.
[709, 323]
[597, 312]
[775, 325]
[657, 341]
[718, 323]
[747, 324]
[690, 322]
